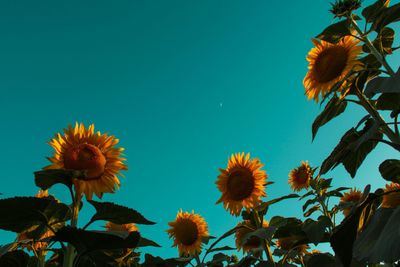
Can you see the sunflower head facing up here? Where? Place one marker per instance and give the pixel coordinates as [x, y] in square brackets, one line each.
[328, 64]
[251, 244]
[242, 183]
[81, 148]
[299, 178]
[391, 200]
[188, 231]
[353, 196]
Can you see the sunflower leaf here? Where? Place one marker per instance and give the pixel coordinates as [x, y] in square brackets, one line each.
[144, 242]
[335, 31]
[388, 15]
[263, 206]
[222, 249]
[108, 211]
[47, 178]
[315, 230]
[26, 212]
[383, 85]
[262, 233]
[353, 148]
[388, 101]
[390, 170]
[311, 210]
[151, 261]
[371, 12]
[322, 259]
[16, 258]
[86, 241]
[333, 108]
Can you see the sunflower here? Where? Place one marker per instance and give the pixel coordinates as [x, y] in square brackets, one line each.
[252, 243]
[287, 244]
[188, 231]
[125, 228]
[353, 196]
[330, 63]
[83, 149]
[300, 177]
[242, 183]
[391, 200]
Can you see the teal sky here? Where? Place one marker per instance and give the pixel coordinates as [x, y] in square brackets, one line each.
[182, 84]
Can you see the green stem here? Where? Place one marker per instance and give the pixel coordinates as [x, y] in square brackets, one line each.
[267, 248]
[377, 117]
[70, 253]
[372, 48]
[41, 259]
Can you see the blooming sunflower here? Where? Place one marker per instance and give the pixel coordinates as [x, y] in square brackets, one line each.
[353, 196]
[81, 148]
[188, 231]
[330, 63]
[300, 177]
[252, 243]
[391, 200]
[287, 244]
[242, 183]
[127, 228]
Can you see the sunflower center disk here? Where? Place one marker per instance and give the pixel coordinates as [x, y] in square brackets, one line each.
[240, 184]
[302, 177]
[330, 64]
[186, 232]
[85, 157]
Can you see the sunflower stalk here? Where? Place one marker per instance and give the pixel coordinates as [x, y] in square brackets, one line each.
[374, 51]
[70, 253]
[266, 246]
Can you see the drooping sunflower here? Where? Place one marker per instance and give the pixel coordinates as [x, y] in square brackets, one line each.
[299, 178]
[252, 243]
[242, 183]
[288, 244]
[391, 200]
[353, 196]
[330, 63]
[81, 148]
[188, 231]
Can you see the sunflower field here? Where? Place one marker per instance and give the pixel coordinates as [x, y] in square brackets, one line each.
[346, 66]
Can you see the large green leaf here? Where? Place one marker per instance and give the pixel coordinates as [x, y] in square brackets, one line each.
[366, 240]
[108, 211]
[383, 85]
[385, 246]
[47, 178]
[388, 101]
[371, 12]
[353, 148]
[333, 108]
[263, 206]
[262, 233]
[152, 261]
[390, 170]
[17, 258]
[334, 32]
[344, 235]
[144, 242]
[315, 230]
[25, 212]
[86, 241]
[386, 17]
[322, 259]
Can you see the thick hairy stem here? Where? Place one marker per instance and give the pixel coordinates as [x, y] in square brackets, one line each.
[70, 253]
[393, 137]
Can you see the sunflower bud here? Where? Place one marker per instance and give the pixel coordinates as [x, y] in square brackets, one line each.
[342, 8]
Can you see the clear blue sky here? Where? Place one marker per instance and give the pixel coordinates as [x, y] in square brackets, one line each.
[182, 84]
